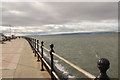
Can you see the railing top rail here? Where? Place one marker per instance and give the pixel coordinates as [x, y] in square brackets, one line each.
[87, 74]
[46, 49]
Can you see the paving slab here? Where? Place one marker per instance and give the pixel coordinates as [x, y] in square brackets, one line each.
[17, 61]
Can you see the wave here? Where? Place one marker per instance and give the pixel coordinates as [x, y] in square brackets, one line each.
[59, 66]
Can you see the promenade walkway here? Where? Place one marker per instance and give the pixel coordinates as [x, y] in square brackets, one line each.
[17, 61]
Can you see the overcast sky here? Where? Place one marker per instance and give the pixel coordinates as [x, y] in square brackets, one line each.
[59, 17]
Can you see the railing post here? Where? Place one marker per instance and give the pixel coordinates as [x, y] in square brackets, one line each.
[103, 65]
[42, 69]
[35, 48]
[29, 40]
[33, 44]
[33, 41]
[52, 67]
[38, 57]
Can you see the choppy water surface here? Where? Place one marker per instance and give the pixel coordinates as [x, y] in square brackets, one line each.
[84, 50]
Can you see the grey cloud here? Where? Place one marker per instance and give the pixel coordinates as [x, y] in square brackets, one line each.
[58, 13]
[87, 10]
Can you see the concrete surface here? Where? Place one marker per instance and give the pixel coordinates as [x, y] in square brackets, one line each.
[17, 61]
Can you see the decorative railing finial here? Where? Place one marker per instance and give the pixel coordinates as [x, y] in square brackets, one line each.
[103, 65]
[37, 41]
[42, 43]
[52, 46]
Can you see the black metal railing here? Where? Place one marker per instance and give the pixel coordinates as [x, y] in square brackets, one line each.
[103, 64]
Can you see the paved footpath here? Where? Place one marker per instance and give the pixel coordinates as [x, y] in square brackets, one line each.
[18, 61]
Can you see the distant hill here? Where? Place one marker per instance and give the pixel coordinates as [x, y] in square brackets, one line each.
[84, 33]
[78, 33]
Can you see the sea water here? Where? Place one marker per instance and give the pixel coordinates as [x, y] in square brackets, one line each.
[84, 51]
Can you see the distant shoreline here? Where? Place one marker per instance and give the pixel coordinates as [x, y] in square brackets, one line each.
[79, 33]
